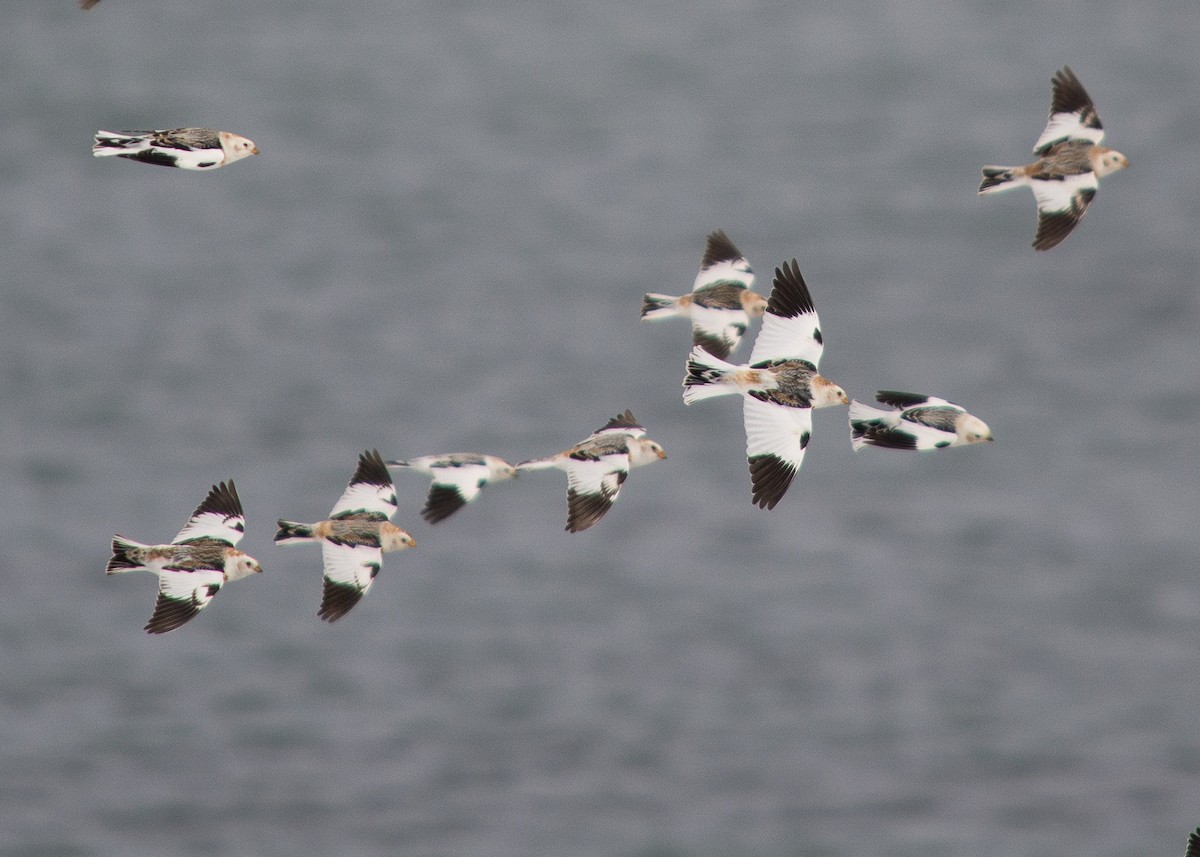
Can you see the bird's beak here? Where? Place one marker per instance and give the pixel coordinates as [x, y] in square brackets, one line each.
[254, 151]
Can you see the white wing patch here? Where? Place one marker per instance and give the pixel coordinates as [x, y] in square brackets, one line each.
[366, 497]
[1068, 194]
[776, 430]
[788, 338]
[354, 566]
[1066, 126]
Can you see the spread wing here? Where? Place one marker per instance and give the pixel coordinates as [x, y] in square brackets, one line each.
[1061, 204]
[790, 328]
[218, 518]
[181, 595]
[350, 570]
[776, 437]
[593, 483]
[722, 261]
[453, 487]
[370, 492]
[1072, 114]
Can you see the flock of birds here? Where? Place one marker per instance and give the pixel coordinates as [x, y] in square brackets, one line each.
[779, 386]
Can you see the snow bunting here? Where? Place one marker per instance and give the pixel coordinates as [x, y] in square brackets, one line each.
[1070, 163]
[354, 538]
[597, 467]
[457, 479]
[780, 386]
[200, 560]
[921, 422]
[186, 148]
[720, 304]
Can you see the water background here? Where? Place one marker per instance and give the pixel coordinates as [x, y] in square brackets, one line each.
[443, 246]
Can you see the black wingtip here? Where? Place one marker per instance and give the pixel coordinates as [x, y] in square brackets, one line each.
[221, 500]
[442, 502]
[718, 248]
[770, 477]
[621, 421]
[337, 599]
[371, 470]
[789, 293]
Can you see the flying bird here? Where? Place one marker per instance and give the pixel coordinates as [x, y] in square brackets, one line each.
[458, 477]
[779, 387]
[193, 567]
[354, 537]
[1070, 163]
[185, 148]
[597, 467]
[720, 304]
[919, 422]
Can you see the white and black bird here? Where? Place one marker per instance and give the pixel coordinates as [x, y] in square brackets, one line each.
[597, 467]
[185, 148]
[196, 564]
[1070, 163]
[721, 302]
[458, 477]
[779, 387]
[354, 537]
[918, 422]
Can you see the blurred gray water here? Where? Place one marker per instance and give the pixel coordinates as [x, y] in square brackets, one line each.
[443, 247]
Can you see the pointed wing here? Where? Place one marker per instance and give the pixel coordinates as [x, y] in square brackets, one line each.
[349, 572]
[453, 487]
[1072, 114]
[370, 492]
[722, 261]
[1193, 846]
[181, 595]
[592, 487]
[776, 437]
[790, 328]
[1061, 204]
[898, 399]
[219, 518]
[625, 423]
[718, 331]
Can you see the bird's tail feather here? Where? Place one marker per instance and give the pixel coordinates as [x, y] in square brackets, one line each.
[706, 376]
[292, 533]
[121, 560]
[109, 143]
[998, 179]
[655, 307]
[863, 421]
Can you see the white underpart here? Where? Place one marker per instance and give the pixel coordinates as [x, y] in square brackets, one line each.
[734, 270]
[597, 477]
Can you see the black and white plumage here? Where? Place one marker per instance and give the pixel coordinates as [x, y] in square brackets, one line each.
[196, 564]
[597, 467]
[720, 304]
[458, 477]
[185, 148]
[354, 537]
[919, 423]
[779, 387]
[1070, 163]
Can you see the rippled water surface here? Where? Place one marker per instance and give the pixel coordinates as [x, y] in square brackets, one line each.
[443, 246]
